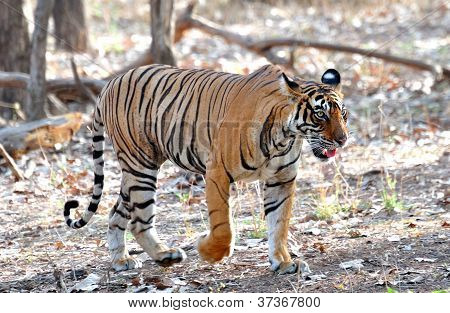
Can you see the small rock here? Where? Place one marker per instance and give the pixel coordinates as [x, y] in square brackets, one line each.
[355, 264]
[90, 283]
[394, 238]
[314, 231]
[417, 280]
[407, 248]
[315, 277]
[253, 242]
[425, 260]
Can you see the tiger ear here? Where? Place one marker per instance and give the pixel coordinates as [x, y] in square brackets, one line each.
[288, 85]
[333, 78]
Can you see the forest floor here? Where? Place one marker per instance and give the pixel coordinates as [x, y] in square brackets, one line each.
[375, 220]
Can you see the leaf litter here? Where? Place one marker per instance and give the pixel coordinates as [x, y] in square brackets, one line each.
[399, 131]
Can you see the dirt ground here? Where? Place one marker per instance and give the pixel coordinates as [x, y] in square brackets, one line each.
[375, 220]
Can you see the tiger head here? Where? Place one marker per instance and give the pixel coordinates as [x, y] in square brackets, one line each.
[320, 116]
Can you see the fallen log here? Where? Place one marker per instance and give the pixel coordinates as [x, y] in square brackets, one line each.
[45, 133]
[61, 87]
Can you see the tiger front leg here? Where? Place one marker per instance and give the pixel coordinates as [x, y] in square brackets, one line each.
[278, 200]
[220, 241]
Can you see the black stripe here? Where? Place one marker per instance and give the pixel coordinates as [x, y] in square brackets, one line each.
[230, 178]
[268, 185]
[264, 137]
[93, 207]
[112, 227]
[98, 138]
[80, 223]
[276, 206]
[218, 225]
[145, 229]
[149, 187]
[97, 154]
[145, 204]
[288, 164]
[98, 179]
[124, 197]
[71, 204]
[123, 215]
[244, 163]
[213, 211]
[220, 192]
[139, 174]
[139, 220]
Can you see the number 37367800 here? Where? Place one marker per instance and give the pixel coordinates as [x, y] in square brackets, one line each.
[289, 302]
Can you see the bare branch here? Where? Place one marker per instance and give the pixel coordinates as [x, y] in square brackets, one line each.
[187, 21]
[81, 87]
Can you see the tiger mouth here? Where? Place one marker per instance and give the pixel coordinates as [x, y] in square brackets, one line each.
[324, 154]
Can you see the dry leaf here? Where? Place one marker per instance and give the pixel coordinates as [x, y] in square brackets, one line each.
[136, 281]
[59, 245]
[158, 282]
[319, 246]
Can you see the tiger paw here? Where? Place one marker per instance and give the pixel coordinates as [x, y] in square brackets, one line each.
[290, 267]
[211, 250]
[170, 257]
[126, 263]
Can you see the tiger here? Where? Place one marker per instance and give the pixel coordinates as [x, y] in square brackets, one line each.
[227, 127]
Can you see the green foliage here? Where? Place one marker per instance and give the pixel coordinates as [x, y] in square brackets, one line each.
[128, 236]
[326, 207]
[390, 197]
[258, 233]
[391, 290]
[259, 228]
[183, 197]
[440, 291]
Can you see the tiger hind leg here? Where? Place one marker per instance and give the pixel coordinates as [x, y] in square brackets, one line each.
[118, 221]
[139, 192]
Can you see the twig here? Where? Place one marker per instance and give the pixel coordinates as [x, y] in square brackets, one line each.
[13, 106]
[18, 174]
[59, 276]
[81, 87]
[58, 104]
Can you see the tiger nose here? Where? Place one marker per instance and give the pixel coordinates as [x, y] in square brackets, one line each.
[341, 140]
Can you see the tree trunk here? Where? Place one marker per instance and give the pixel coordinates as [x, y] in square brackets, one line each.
[13, 57]
[36, 86]
[70, 25]
[161, 29]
